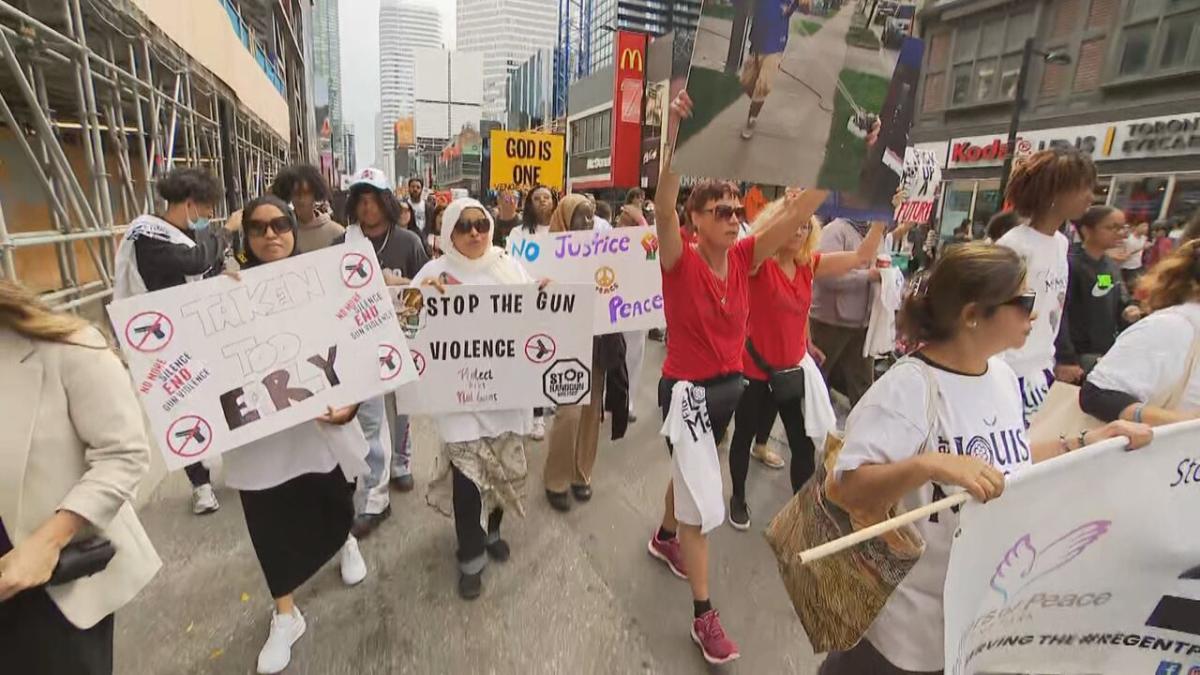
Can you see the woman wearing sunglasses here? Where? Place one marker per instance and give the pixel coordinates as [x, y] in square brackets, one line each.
[481, 471]
[780, 296]
[296, 486]
[973, 306]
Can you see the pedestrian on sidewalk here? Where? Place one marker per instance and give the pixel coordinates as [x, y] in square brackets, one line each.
[1052, 188]
[973, 305]
[296, 486]
[540, 204]
[777, 337]
[401, 255]
[481, 469]
[769, 32]
[575, 434]
[170, 249]
[304, 188]
[705, 291]
[73, 451]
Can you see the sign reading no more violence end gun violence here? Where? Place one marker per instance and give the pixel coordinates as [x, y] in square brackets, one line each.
[620, 264]
[496, 347]
[220, 363]
[524, 160]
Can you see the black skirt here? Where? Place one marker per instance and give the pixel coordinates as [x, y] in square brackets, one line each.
[36, 638]
[296, 527]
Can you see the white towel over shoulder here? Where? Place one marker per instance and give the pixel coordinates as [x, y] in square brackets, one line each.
[819, 417]
[695, 470]
[886, 298]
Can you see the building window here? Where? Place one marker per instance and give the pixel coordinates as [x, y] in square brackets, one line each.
[1159, 36]
[985, 61]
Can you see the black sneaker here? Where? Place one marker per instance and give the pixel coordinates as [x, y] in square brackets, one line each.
[470, 586]
[582, 493]
[561, 501]
[739, 514]
[498, 550]
[364, 524]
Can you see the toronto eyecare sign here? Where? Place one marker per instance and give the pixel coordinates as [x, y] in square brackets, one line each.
[482, 348]
[221, 362]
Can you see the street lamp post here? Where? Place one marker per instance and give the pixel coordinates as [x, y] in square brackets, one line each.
[1058, 58]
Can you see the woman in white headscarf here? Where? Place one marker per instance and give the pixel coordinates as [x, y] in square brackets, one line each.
[481, 470]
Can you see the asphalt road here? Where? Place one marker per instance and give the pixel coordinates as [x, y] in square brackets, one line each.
[580, 594]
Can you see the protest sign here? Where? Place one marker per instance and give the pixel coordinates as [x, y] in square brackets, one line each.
[1089, 563]
[807, 97]
[621, 264]
[922, 176]
[496, 347]
[523, 160]
[220, 363]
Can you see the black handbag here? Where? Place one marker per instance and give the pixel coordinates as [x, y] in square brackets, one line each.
[81, 559]
[786, 384]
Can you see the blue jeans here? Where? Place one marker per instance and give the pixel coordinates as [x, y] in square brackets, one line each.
[372, 494]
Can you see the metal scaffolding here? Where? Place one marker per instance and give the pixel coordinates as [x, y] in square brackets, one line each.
[98, 75]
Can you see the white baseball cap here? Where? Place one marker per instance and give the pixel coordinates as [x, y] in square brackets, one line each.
[373, 177]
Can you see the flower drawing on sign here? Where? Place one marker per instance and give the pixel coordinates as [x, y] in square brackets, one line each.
[1023, 563]
[606, 280]
[650, 246]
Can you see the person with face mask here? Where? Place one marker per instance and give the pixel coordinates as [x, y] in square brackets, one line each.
[376, 217]
[296, 486]
[303, 187]
[172, 248]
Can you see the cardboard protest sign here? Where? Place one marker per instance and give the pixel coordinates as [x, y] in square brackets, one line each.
[496, 347]
[808, 97]
[1088, 563]
[523, 160]
[922, 177]
[220, 362]
[621, 265]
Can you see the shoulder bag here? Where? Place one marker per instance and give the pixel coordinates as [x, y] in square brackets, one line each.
[786, 384]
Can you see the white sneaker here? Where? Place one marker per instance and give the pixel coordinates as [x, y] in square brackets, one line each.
[276, 654]
[204, 500]
[539, 429]
[354, 568]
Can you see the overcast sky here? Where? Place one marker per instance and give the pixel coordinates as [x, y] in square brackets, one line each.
[360, 66]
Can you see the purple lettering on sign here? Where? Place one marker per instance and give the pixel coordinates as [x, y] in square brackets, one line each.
[618, 307]
[600, 244]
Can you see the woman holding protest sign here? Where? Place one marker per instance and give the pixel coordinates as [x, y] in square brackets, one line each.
[481, 470]
[575, 434]
[296, 486]
[776, 361]
[706, 295]
[167, 250]
[949, 418]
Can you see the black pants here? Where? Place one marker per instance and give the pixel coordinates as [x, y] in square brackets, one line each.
[863, 659]
[720, 407]
[468, 507]
[757, 403]
[36, 638]
[197, 474]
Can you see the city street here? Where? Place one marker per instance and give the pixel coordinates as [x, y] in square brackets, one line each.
[580, 593]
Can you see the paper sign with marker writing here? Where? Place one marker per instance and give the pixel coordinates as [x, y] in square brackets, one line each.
[920, 182]
[484, 347]
[220, 363]
[1088, 563]
[620, 264]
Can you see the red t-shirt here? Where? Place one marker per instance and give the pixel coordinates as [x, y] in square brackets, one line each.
[706, 316]
[778, 323]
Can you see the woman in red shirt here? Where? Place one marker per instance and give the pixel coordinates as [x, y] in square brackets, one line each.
[706, 298]
[780, 296]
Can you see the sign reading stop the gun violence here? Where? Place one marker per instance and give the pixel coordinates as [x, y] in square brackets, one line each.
[523, 160]
[221, 362]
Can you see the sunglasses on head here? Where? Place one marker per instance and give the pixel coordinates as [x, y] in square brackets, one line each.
[480, 225]
[725, 212]
[1024, 301]
[258, 228]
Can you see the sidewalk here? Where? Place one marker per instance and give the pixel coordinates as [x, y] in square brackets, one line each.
[789, 144]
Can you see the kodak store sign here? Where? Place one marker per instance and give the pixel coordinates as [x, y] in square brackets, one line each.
[1166, 136]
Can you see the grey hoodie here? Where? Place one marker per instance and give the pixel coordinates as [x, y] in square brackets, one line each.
[319, 233]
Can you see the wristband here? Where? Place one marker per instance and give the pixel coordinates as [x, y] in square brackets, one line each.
[1137, 413]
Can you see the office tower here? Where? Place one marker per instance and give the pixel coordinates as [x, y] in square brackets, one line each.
[403, 26]
[506, 32]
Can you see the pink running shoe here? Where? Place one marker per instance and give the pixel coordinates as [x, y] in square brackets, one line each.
[710, 636]
[669, 552]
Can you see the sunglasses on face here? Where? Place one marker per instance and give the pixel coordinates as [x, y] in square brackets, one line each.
[480, 225]
[258, 228]
[1024, 301]
[725, 212]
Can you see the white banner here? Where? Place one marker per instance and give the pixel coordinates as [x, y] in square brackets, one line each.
[496, 347]
[621, 264]
[219, 363]
[1089, 563]
[922, 176]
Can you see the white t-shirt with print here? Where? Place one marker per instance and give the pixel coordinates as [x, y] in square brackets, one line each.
[1135, 246]
[470, 426]
[977, 415]
[695, 467]
[1046, 262]
[1150, 357]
